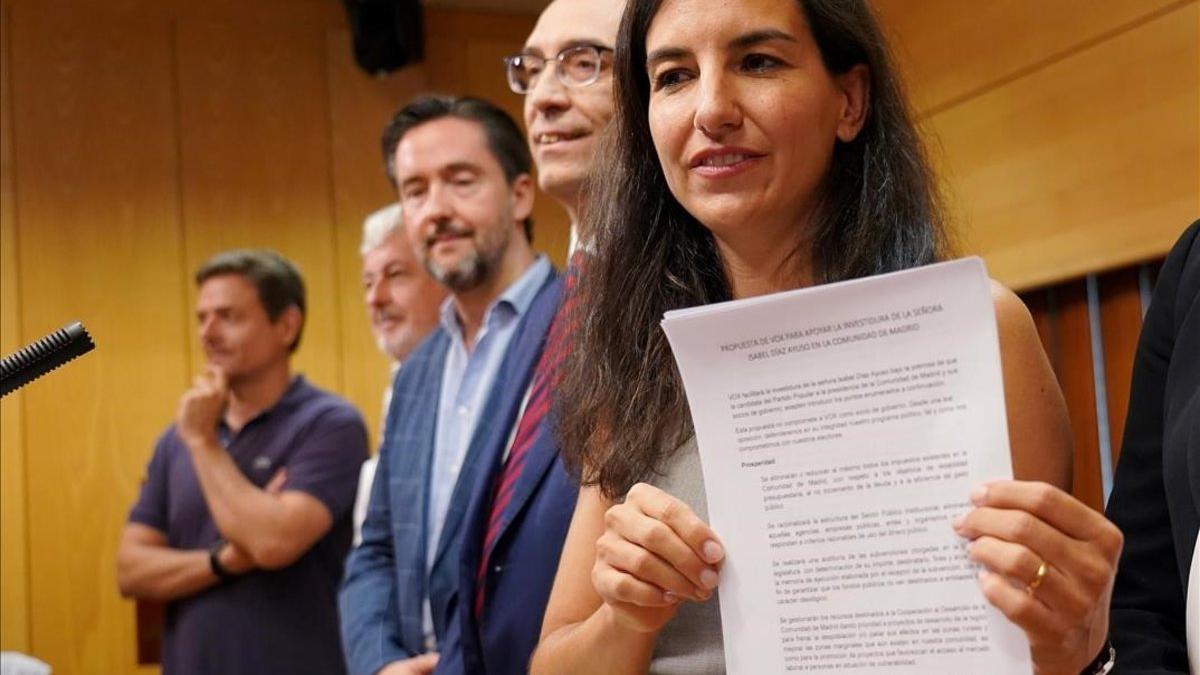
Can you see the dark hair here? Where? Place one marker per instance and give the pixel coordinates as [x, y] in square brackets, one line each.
[504, 138]
[278, 281]
[622, 409]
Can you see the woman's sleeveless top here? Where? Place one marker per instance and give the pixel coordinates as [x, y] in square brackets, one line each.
[690, 644]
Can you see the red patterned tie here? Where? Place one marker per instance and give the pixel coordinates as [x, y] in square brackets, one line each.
[527, 430]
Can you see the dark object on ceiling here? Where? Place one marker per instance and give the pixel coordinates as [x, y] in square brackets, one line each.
[388, 34]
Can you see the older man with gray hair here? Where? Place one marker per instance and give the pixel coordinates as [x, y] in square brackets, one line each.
[402, 305]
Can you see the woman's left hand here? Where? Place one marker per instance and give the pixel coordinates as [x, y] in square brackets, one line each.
[1049, 562]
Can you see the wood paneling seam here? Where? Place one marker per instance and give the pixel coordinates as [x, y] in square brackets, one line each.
[180, 211]
[339, 336]
[18, 324]
[1052, 59]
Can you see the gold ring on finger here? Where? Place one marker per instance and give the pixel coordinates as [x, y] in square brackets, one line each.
[1038, 578]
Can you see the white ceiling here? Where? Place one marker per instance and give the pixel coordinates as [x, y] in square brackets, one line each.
[506, 6]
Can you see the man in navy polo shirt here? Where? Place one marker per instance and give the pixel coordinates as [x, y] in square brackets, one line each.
[243, 522]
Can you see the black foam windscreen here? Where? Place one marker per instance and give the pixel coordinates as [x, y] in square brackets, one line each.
[37, 359]
[388, 34]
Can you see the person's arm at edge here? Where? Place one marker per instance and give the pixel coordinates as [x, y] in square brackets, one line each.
[579, 634]
[1148, 605]
[1039, 430]
[1079, 544]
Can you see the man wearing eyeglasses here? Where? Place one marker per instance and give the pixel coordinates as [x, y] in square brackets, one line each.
[565, 114]
[521, 507]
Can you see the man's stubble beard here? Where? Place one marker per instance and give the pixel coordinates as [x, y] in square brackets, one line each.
[476, 267]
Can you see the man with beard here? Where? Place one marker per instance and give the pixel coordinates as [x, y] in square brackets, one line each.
[518, 517]
[243, 521]
[402, 305]
[462, 173]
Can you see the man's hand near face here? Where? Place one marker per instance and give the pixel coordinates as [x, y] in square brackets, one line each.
[270, 527]
[201, 407]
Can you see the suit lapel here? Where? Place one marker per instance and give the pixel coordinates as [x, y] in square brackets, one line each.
[540, 458]
[499, 413]
[537, 462]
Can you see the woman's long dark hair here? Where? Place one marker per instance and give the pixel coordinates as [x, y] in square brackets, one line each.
[621, 404]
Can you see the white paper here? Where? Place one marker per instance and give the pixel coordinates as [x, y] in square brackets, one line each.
[840, 429]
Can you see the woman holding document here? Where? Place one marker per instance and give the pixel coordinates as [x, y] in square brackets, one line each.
[760, 146]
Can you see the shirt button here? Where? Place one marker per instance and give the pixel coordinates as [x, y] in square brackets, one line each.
[497, 568]
[463, 411]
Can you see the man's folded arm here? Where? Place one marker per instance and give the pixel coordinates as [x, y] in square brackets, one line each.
[148, 568]
[276, 529]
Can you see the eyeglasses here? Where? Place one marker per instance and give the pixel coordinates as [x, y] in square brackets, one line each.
[578, 66]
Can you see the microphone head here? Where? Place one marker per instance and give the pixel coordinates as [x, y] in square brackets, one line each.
[37, 359]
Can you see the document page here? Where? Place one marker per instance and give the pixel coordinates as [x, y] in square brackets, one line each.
[840, 429]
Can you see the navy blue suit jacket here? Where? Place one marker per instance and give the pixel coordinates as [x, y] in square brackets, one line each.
[525, 556]
[386, 581]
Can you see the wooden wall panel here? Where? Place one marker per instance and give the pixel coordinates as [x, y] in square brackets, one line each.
[1120, 325]
[98, 240]
[255, 162]
[1074, 370]
[312, 12]
[1061, 316]
[152, 135]
[950, 50]
[360, 106]
[14, 578]
[1064, 321]
[1089, 163]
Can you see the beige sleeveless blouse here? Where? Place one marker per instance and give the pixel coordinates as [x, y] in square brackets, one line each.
[691, 643]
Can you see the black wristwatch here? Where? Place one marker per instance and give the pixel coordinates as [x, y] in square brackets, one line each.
[214, 561]
[1104, 662]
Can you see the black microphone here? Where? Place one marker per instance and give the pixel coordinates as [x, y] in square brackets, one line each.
[33, 361]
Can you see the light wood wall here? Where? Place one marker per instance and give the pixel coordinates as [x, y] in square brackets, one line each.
[1089, 328]
[139, 136]
[1067, 133]
[14, 588]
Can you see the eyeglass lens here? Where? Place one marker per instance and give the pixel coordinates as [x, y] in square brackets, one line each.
[577, 66]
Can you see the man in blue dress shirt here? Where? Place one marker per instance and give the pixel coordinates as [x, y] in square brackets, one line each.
[518, 516]
[462, 173]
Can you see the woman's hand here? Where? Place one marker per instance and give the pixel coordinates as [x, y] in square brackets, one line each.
[1015, 529]
[654, 553]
